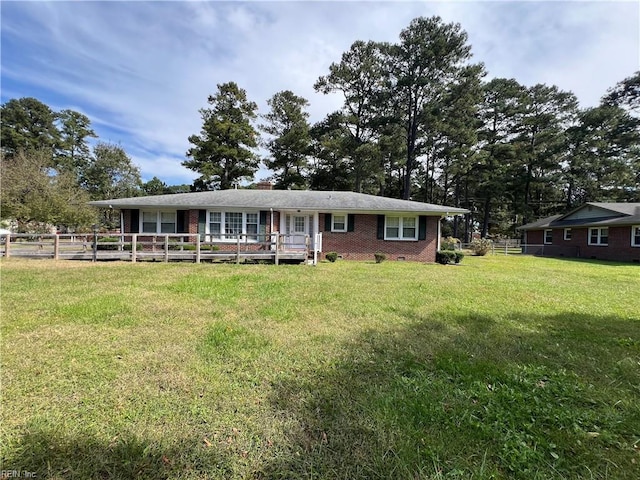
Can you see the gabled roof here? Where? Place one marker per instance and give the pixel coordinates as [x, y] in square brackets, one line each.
[591, 214]
[281, 200]
[601, 209]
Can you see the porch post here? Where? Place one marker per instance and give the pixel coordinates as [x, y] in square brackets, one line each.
[94, 255]
[134, 247]
[316, 229]
[198, 248]
[166, 248]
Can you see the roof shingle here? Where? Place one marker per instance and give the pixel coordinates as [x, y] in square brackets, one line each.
[282, 200]
[621, 214]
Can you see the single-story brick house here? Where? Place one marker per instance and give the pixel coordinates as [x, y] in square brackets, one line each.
[353, 224]
[607, 231]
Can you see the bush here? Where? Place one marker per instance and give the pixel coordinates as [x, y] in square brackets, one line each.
[112, 243]
[458, 257]
[189, 247]
[108, 240]
[203, 248]
[481, 246]
[380, 257]
[445, 257]
[331, 256]
[449, 243]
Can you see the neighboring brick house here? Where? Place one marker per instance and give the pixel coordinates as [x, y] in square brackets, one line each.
[353, 224]
[606, 231]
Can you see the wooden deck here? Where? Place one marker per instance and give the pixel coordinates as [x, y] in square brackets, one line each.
[156, 248]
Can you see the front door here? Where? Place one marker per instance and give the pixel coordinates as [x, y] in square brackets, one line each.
[297, 232]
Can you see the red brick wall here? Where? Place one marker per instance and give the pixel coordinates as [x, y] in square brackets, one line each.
[362, 244]
[193, 221]
[535, 237]
[619, 244]
[619, 247]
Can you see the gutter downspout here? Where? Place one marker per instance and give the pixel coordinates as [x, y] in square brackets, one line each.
[438, 232]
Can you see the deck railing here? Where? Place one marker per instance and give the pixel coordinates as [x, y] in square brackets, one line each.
[165, 247]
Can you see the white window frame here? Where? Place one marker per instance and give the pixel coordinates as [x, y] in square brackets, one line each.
[229, 237]
[567, 234]
[634, 235]
[333, 222]
[544, 238]
[401, 227]
[599, 236]
[158, 222]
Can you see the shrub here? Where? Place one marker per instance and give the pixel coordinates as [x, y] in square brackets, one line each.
[331, 256]
[445, 256]
[108, 240]
[481, 246]
[458, 257]
[380, 257]
[112, 243]
[211, 248]
[449, 243]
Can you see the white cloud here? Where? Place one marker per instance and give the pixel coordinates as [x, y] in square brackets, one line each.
[141, 70]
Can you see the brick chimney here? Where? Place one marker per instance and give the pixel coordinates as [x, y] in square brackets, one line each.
[264, 185]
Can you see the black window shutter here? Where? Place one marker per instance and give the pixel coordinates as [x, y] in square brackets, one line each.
[262, 227]
[351, 223]
[135, 221]
[380, 235]
[181, 216]
[422, 227]
[327, 222]
[202, 222]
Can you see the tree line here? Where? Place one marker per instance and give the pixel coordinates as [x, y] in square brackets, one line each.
[419, 121]
[49, 170]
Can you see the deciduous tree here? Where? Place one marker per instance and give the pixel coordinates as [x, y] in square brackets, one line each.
[111, 173]
[35, 194]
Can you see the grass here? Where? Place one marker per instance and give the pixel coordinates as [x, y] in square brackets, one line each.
[503, 367]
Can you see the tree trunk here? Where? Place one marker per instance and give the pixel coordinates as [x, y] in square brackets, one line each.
[485, 220]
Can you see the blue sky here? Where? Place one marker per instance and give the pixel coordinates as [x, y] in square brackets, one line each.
[141, 70]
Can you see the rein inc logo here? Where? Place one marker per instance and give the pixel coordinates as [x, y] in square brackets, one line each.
[17, 474]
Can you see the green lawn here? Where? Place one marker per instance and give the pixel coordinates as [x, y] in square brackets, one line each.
[503, 367]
